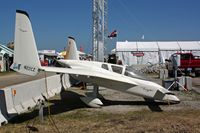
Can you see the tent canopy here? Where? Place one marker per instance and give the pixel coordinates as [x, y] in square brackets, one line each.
[126, 46]
[158, 46]
[147, 46]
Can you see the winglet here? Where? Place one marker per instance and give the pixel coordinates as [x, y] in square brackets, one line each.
[71, 38]
[26, 59]
[72, 52]
[22, 12]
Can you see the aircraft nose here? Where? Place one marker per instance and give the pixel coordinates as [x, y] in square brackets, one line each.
[171, 98]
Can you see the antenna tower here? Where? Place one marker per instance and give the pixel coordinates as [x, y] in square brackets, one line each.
[100, 28]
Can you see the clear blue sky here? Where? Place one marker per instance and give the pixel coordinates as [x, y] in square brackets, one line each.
[54, 20]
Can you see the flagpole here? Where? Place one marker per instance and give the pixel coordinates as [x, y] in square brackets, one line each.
[113, 35]
[116, 42]
[117, 38]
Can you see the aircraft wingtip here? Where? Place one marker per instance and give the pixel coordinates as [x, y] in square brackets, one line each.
[71, 38]
[22, 12]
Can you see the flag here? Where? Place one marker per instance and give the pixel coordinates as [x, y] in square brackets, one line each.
[113, 34]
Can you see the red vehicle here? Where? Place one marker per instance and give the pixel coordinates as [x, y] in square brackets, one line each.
[186, 62]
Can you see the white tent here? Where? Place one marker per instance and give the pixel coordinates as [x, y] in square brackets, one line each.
[147, 46]
[153, 52]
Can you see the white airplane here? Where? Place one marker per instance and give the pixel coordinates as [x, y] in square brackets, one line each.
[116, 77]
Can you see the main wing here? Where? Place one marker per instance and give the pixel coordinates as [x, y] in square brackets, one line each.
[105, 78]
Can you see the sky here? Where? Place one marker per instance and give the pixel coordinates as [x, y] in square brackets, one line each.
[54, 20]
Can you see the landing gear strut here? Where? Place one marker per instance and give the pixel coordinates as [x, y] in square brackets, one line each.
[93, 100]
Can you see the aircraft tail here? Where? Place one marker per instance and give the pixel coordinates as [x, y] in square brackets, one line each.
[26, 59]
[72, 52]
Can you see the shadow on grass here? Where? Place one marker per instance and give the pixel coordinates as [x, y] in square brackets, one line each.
[70, 101]
[152, 105]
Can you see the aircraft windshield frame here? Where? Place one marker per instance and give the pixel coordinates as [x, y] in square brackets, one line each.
[130, 72]
[117, 69]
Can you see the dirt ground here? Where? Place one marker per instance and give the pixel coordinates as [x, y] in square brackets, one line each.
[121, 113]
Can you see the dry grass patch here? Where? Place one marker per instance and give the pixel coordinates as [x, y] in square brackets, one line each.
[88, 120]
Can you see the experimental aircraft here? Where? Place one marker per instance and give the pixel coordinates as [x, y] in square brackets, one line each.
[116, 77]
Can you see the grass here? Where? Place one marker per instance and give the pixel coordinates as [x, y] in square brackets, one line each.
[88, 120]
[70, 116]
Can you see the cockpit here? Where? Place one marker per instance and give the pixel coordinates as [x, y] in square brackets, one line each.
[124, 70]
[130, 72]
